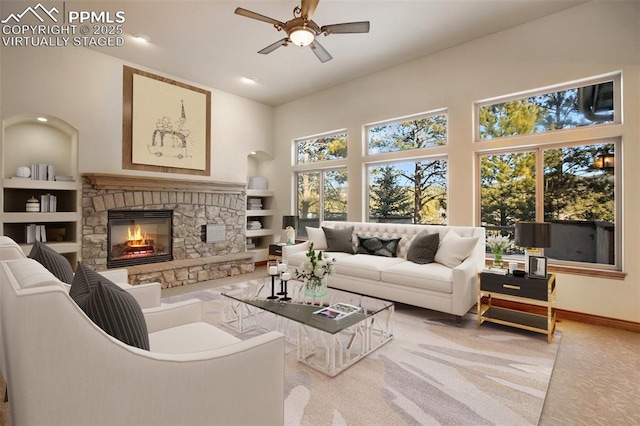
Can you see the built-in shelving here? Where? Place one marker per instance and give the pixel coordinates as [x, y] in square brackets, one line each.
[29, 141]
[262, 237]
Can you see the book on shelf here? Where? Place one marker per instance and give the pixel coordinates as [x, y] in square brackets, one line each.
[64, 178]
[48, 203]
[35, 233]
[337, 311]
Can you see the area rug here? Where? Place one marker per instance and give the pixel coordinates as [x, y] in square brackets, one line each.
[433, 372]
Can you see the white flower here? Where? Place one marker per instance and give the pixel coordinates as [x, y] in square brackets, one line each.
[498, 243]
[317, 265]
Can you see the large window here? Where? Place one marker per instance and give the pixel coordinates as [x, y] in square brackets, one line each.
[424, 131]
[321, 179]
[568, 180]
[407, 180]
[321, 195]
[588, 105]
[410, 192]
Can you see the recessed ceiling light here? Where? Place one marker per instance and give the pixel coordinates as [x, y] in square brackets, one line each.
[42, 119]
[141, 38]
[249, 80]
[253, 153]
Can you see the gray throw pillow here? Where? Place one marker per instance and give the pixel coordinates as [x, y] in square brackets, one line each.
[111, 308]
[56, 263]
[423, 248]
[378, 246]
[339, 239]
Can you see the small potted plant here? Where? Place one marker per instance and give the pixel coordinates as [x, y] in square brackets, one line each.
[498, 244]
[314, 272]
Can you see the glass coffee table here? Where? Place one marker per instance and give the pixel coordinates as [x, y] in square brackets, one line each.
[325, 344]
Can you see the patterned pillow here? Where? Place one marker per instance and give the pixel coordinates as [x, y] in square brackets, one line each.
[339, 239]
[423, 248]
[111, 308]
[378, 246]
[56, 263]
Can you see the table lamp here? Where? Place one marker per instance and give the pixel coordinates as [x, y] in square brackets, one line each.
[534, 237]
[290, 223]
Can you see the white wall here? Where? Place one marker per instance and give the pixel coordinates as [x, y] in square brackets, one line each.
[585, 41]
[84, 88]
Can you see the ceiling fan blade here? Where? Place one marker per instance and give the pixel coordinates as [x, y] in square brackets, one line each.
[346, 28]
[320, 51]
[307, 8]
[270, 48]
[249, 14]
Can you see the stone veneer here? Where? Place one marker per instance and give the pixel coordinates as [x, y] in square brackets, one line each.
[194, 203]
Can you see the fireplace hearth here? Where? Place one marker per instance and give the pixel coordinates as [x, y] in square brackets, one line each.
[137, 237]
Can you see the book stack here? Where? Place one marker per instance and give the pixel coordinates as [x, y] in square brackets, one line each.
[36, 233]
[253, 225]
[48, 203]
[250, 244]
[255, 203]
[43, 172]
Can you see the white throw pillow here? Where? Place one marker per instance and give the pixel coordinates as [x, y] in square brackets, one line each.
[454, 249]
[316, 236]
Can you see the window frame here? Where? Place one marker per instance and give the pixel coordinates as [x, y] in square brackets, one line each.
[617, 106]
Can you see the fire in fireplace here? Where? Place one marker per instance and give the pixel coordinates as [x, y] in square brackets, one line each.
[136, 237]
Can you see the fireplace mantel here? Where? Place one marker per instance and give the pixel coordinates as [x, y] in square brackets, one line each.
[143, 183]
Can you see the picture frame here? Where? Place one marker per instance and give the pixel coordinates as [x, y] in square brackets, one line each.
[537, 267]
[166, 125]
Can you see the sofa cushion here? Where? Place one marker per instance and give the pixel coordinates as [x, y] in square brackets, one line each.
[56, 263]
[434, 276]
[423, 248]
[378, 246]
[111, 308]
[365, 266]
[297, 259]
[188, 338]
[339, 239]
[316, 236]
[454, 249]
[30, 273]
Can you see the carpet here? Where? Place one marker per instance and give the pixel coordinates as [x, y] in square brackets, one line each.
[432, 373]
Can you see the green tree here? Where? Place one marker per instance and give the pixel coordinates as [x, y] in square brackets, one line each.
[322, 149]
[517, 117]
[388, 197]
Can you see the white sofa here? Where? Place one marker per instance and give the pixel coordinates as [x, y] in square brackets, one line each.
[433, 286]
[63, 369]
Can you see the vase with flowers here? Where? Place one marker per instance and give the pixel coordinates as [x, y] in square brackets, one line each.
[498, 244]
[314, 272]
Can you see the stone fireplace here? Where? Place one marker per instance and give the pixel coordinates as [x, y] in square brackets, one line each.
[185, 256]
[138, 237]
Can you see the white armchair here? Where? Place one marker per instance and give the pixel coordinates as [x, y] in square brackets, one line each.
[200, 374]
[147, 295]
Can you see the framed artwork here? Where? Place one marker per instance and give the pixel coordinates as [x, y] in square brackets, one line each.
[538, 267]
[166, 125]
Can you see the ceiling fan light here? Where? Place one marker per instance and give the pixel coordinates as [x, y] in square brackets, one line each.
[301, 37]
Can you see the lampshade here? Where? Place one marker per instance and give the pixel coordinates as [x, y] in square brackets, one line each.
[291, 221]
[301, 37]
[533, 234]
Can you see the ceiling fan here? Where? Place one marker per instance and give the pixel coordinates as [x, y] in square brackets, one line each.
[302, 31]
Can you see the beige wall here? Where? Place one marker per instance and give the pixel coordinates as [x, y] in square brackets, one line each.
[589, 40]
[84, 88]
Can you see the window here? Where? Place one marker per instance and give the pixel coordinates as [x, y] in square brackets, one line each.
[588, 105]
[408, 192]
[423, 131]
[407, 178]
[321, 179]
[569, 182]
[315, 149]
[321, 195]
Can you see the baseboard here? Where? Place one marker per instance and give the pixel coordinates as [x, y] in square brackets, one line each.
[571, 316]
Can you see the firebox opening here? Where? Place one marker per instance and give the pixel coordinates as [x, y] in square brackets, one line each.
[137, 237]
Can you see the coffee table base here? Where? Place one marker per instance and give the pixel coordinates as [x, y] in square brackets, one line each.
[328, 353]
